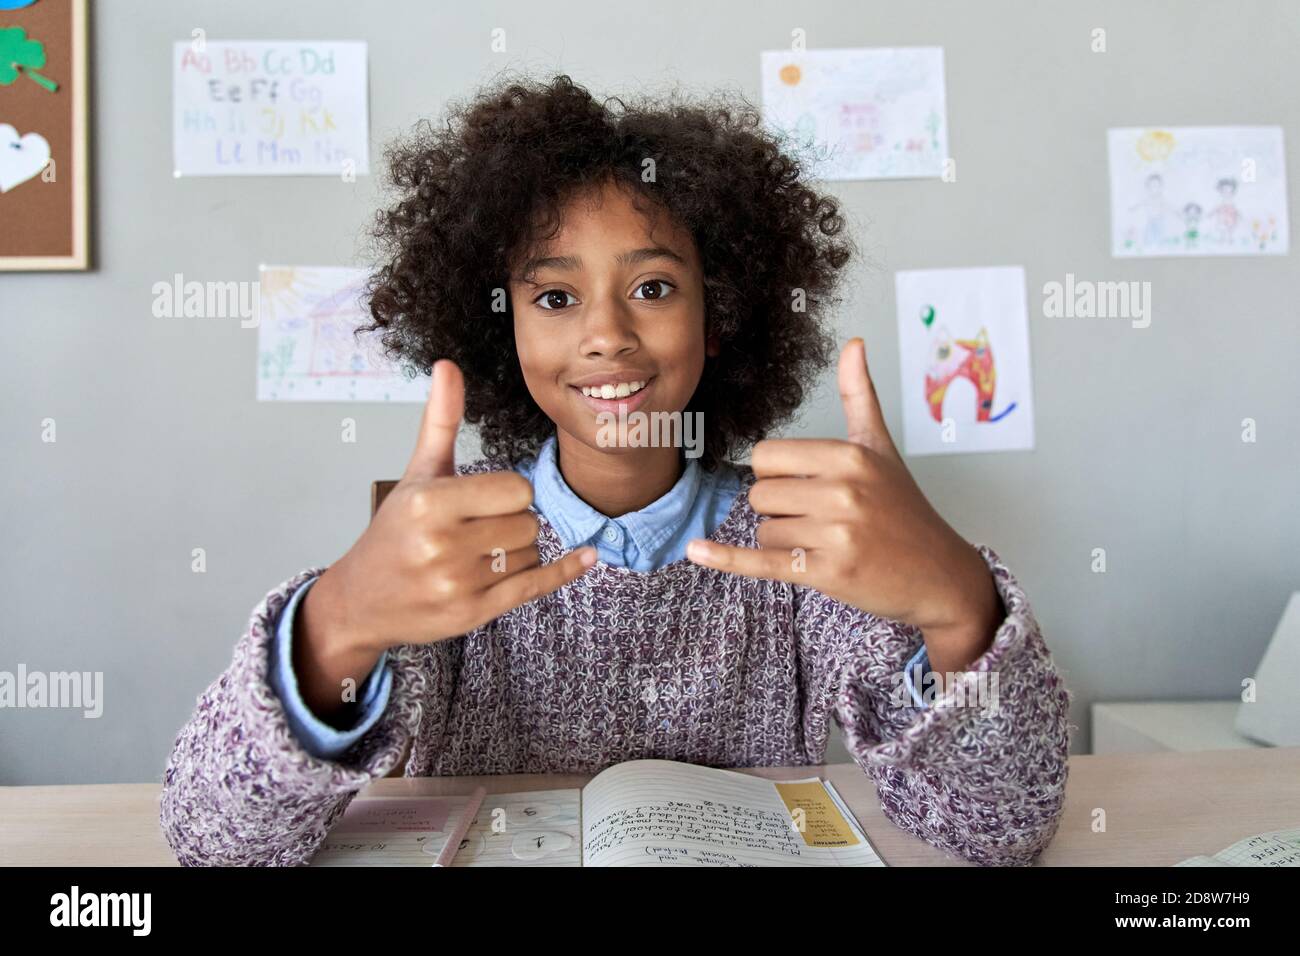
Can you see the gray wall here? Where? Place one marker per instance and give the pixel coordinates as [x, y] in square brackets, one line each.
[161, 447]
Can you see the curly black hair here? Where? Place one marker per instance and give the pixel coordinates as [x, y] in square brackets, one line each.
[477, 193]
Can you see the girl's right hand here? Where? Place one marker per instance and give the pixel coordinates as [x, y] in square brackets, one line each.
[444, 554]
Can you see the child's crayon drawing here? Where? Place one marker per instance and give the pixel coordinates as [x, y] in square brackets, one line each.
[862, 114]
[307, 350]
[971, 359]
[963, 339]
[1198, 191]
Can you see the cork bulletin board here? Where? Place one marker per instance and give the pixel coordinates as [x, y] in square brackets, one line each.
[44, 190]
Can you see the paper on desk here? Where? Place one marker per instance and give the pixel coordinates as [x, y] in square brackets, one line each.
[536, 828]
[395, 815]
[390, 831]
[1279, 848]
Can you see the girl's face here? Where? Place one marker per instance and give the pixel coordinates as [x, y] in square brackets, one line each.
[606, 305]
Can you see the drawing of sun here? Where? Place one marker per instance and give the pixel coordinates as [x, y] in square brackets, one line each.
[1155, 145]
[791, 74]
[289, 291]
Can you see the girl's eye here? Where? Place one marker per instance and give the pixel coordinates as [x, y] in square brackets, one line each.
[552, 300]
[649, 287]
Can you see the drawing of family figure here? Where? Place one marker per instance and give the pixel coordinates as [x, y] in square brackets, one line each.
[1167, 225]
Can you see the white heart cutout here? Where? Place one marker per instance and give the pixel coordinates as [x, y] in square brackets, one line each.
[20, 159]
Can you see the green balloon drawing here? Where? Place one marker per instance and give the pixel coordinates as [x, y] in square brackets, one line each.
[21, 55]
[927, 315]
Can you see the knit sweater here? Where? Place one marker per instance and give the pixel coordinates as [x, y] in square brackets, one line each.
[683, 663]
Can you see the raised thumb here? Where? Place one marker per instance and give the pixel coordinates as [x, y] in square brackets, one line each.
[435, 449]
[866, 422]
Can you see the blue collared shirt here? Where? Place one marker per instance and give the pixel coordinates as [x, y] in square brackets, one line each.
[644, 541]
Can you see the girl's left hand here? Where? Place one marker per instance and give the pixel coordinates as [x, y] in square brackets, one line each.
[847, 518]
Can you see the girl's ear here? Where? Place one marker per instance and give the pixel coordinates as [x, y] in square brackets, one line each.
[711, 345]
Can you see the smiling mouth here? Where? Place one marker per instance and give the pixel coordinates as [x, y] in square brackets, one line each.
[595, 396]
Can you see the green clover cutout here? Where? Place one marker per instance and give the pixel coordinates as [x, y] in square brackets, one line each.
[21, 55]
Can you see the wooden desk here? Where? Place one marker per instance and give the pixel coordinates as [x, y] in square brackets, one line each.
[1160, 808]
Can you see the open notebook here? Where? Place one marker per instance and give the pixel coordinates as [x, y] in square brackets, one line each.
[1279, 848]
[639, 813]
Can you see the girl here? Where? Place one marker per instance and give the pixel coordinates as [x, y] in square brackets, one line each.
[569, 602]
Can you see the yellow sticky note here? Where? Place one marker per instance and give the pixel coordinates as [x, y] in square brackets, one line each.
[815, 815]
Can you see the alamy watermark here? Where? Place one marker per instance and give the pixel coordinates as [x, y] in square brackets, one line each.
[639, 429]
[1085, 299]
[976, 689]
[179, 299]
[82, 690]
[130, 910]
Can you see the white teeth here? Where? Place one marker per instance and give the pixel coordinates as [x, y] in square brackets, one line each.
[621, 390]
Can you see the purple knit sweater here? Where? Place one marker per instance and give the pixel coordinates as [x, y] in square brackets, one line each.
[683, 663]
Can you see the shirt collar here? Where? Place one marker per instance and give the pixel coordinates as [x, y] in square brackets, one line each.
[576, 522]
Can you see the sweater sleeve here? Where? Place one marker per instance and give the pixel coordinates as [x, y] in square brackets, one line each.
[240, 789]
[978, 769]
[321, 738]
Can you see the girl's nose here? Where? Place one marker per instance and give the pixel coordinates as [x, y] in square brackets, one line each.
[608, 328]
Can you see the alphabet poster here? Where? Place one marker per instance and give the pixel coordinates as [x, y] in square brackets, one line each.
[963, 339]
[1198, 191]
[286, 108]
[306, 349]
[863, 114]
